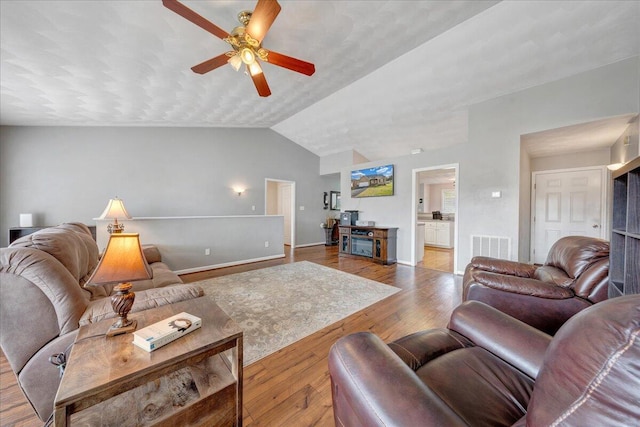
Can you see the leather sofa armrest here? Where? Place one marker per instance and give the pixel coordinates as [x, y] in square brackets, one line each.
[522, 285]
[372, 386]
[519, 344]
[503, 266]
[101, 309]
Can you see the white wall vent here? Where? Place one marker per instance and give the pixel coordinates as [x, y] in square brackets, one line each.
[491, 246]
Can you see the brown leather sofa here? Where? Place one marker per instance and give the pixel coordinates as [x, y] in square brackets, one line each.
[43, 302]
[573, 278]
[489, 369]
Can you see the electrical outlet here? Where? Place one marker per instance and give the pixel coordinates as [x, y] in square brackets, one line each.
[253, 208]
[266, 244]
[301, 208]
[207, 251]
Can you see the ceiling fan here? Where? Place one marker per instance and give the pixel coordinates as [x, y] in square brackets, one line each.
[246, 41]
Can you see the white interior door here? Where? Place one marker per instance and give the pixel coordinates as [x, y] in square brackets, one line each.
[566, 203]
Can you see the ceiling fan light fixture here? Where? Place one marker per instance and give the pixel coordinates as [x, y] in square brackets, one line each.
[255, 68]
[235, 61]
[246, 43]
[247, 56]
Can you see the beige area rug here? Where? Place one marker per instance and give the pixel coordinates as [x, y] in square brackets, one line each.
[280, 305]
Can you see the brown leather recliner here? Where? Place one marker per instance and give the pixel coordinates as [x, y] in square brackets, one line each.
[573, 278]
[489, 369]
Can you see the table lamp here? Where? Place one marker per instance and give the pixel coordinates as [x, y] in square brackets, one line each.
[114, 210]
[123, 261]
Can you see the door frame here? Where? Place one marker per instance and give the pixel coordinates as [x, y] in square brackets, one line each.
[604, 196]
[414, 209]
[291, 207]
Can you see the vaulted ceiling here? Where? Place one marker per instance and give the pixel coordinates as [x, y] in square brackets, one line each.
[390, 75]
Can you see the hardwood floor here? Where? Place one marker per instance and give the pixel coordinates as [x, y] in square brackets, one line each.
[440, 259]
[292, 387]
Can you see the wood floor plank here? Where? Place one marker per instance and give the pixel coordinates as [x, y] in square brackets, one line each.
[292, 387]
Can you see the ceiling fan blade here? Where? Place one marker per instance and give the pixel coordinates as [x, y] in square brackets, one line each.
[290, 63]
[192, 16]
[262, 17]
[211, 64]
[261, 84]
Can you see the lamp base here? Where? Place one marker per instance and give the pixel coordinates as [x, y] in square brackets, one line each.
[121, 303]
[116, 329]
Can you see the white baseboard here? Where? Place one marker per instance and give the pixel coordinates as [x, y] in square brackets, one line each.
[226, 264]
[310, 244]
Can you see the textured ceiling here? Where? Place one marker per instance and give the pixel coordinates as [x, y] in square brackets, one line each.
[390, 75]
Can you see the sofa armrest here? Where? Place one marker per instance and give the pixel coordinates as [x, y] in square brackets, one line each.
[39, 379]
[519, 344]
[101, 309]
[372, 386]
[522, 285]
[151, 254]
[502, 266]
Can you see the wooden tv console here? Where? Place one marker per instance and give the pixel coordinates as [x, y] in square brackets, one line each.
[375, 243]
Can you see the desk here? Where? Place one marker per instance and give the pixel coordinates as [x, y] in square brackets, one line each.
[195, 380]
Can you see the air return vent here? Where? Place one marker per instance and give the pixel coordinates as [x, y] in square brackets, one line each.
[491, 246]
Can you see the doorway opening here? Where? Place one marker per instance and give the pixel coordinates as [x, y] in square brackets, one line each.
[434, 222]
[280, 199]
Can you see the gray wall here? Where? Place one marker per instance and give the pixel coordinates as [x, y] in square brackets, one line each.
[627, 147]
[69, 173]
[201, 243]
[598, 157]
[491, 159]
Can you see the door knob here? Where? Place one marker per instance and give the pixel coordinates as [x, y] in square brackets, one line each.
[595, 226]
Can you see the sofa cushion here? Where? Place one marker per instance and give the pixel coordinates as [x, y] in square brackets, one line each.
[494, 393]
[36, 286]
[69, 244]
[162, 276]
[101, 309]
[553, 275]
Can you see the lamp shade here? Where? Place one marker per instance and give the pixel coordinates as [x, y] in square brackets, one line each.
[115, 210]
[123, 261]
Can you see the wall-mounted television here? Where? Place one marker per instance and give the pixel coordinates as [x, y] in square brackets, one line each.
[372, 182]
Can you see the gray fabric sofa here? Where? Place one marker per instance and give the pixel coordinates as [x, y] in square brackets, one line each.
[44, 300]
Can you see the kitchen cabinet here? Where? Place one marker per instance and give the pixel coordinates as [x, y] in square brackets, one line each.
[438, 233]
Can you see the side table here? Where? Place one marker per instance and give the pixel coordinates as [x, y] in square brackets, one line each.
[194, 380]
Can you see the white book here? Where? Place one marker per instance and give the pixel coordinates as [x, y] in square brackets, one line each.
[167, 330]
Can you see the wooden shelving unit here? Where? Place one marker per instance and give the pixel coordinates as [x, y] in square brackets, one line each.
[624, 266]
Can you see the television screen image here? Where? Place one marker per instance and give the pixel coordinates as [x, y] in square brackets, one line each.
[372, 182]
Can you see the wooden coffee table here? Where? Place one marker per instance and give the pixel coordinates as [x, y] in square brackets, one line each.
[194, 380]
